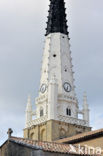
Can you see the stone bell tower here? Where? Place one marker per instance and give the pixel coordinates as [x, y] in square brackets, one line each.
[56, 114]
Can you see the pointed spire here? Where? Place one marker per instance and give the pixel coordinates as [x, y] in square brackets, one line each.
[57, 18]
[85, 109]
[28, 111]
[85, 104]
[29, 106]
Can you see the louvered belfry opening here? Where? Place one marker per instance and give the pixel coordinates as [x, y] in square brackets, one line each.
[57, 18]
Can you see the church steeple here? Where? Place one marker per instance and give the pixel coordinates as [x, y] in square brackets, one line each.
[57, 18]
[57, 109]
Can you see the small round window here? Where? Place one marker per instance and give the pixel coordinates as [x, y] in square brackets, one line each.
[54, 55]
[65, 69]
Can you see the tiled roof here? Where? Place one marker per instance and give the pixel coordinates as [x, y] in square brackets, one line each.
[46, 146]
[82, 136]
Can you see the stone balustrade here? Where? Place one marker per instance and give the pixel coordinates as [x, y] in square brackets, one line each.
[36, 121]
[72, 120]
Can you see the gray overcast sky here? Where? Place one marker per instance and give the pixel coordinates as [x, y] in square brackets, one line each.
[22, 29]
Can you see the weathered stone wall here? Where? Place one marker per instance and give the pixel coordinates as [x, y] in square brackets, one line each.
[53, 130]
[14, 149]
[96, 142]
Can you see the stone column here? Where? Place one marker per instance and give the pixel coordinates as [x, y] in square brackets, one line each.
[52, 98]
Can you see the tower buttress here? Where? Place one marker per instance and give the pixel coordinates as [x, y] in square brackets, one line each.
[52, 98]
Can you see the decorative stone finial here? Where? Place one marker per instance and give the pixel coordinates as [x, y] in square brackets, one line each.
[9, 132]
[29, 99]
[29, 111]
[85, 94]
[85, 109]
[29, 106]
[54, 76]
[53, 79]
[85, 98]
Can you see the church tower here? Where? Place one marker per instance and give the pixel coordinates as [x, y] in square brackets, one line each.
[57, 110]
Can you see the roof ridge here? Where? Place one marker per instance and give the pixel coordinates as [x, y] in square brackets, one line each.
[50, 142]
[46, 146]
[81, 135]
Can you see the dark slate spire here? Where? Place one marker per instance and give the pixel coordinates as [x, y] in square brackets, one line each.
[57, 18]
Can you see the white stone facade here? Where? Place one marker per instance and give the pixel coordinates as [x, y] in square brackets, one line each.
[57, 99]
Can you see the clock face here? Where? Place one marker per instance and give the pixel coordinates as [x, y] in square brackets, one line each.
[67, 87]
[43, 88]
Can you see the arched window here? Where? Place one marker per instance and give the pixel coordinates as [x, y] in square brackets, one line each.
[68, 112]
[41, 112]
[43, 135]
[32, 136]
